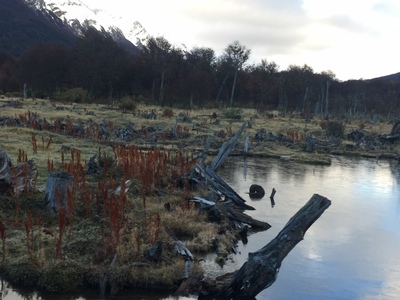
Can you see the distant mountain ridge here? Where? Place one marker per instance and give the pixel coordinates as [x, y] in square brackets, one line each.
[26, 23]
[78, 14]
[22, 27]
[394, 77]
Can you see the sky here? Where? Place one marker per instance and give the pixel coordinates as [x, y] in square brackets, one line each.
[355, 39]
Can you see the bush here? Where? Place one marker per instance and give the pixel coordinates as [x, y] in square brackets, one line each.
[14, 94]
[233, 113]
[333, 128]
[128, 104]
[168, 112]
[77, 95]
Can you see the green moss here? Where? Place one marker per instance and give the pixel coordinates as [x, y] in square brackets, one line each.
[22, 273]
[62, 276]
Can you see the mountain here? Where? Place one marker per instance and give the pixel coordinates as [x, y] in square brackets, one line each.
[391, 77]
[27, 23]
[78, 14]
[22, 27]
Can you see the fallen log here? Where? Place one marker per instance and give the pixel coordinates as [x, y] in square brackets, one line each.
[262, 267]
[238, 218]
[216, 183]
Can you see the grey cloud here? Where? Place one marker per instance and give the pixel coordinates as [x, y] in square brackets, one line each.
[275, 28]
[345, 22]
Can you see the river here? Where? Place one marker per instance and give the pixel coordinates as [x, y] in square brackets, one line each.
[350, 252]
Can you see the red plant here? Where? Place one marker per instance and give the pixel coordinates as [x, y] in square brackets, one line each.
[49, 142]
[34, 143]
[29, 234]
[70, 208]
[154, 228]
[50, 165]
[48, 232]
[61, 224]
[22, 156]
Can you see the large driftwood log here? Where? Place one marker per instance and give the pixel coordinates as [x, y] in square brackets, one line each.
[16, 178]
[58, 185]
[239, 218]
[262, 267]
[236, 217]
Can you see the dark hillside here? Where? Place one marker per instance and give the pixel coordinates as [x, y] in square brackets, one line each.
[391, 77]
[22, 27]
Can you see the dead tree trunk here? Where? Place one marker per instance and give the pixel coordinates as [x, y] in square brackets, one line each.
[396, 128]
[262, 267]
[227, 148]
[214, 182]
[58, 185]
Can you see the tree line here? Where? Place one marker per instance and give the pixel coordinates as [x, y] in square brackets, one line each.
[163, 74]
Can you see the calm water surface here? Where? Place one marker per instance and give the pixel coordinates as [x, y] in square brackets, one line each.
[350, 252]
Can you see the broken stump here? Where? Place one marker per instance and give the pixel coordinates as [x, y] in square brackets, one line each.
[58, 185]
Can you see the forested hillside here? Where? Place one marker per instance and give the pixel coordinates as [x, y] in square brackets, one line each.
[22, 27]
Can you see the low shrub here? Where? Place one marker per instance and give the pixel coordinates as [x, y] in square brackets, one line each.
[14, 94]
[78, 95]
[168, 112]
[333, 128]
[127, 104]
[233, 113]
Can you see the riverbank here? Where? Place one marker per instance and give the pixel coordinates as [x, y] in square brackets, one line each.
[106, 242]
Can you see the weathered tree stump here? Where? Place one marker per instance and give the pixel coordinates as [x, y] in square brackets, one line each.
[256, 191]
[262, 267]
[155, 251]
[272, 197]
[58, 185]
[19, 178]
[5, 168]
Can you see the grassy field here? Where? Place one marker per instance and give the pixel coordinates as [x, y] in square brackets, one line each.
[219, 127]
[110, 233]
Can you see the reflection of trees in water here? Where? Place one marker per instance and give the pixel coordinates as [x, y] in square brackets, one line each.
[394, 167]
[241, 172]
[8, 292]
[4, 289]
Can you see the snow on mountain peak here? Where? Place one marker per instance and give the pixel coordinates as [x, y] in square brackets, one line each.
[77, 12]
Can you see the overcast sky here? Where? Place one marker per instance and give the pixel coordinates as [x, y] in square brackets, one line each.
[352, 38]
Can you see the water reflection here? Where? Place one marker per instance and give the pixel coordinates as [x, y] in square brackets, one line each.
[351, 252]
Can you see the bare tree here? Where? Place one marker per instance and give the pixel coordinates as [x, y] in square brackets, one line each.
[238, 55]
[156, 53]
